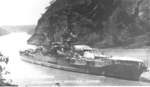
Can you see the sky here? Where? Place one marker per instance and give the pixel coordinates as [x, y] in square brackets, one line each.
[21, 12]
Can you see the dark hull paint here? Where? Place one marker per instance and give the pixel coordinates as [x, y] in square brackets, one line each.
[128, 72]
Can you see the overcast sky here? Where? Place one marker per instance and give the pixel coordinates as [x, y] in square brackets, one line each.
[21, 12]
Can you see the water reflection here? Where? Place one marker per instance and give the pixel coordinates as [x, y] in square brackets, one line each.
[24, 73]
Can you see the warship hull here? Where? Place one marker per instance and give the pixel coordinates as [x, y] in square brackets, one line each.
[121, 71]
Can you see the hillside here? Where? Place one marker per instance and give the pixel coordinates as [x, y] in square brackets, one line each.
[98, 23]
[22, 28]
[3, 32]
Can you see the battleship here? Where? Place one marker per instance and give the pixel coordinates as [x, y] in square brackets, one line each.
[84, 59]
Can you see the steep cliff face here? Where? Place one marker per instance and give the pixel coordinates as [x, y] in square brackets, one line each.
[99, 23]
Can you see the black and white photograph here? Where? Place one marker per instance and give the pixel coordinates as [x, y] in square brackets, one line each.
[74, 43]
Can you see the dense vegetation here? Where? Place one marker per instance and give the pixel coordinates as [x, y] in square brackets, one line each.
[98, 23]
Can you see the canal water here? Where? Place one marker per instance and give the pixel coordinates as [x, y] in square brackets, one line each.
[30, 75]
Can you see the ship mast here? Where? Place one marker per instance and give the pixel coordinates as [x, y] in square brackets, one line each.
[69, 17]
[69, 36]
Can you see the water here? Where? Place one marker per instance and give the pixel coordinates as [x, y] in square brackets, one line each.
[30, 75]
